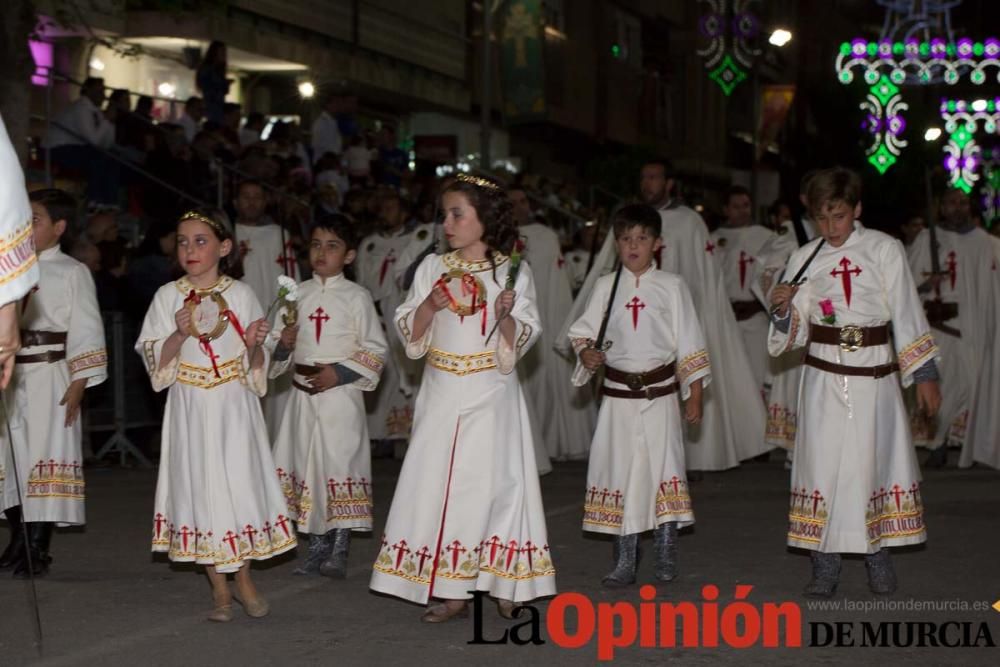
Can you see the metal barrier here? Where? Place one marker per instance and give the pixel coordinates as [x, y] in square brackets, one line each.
[126, 401]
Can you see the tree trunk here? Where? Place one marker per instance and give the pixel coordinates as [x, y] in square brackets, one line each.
[17, 22]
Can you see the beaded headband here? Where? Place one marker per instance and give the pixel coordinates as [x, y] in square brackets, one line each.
[476, 180]
[219, 229]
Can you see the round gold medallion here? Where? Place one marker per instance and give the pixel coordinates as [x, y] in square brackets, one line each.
[208, 314]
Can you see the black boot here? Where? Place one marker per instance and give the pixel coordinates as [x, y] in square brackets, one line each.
[14, 553]
[825, 575]
[881, 573]
[336, 565]
[626, 555]
[319, 549]
[665, 548]
[39, 537]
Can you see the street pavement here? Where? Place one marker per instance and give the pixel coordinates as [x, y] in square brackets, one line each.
[108, 601]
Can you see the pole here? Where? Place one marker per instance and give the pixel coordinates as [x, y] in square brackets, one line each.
[48, 126]
[487, 86]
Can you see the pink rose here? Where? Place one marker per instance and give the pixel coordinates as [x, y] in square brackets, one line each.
[826, 307]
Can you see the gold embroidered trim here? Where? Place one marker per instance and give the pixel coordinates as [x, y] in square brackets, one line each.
[17, 255]
[691, 364]
[368, 359]
[204, 377]
[523, 338]
[916, 353]
[82, 362]
[184, 285]
[452, 261]
[461, 364]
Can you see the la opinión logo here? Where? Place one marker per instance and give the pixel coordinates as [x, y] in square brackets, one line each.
[651, 624]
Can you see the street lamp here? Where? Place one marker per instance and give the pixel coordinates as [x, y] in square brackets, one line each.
[780, 37]
[932, 134]
[307, 89]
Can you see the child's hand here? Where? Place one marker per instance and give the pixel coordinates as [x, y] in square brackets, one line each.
[592, 359]
[72, 399]
[504, 304]
[183, 320]
[437, 299]
[257, 332]
[929, 397]
[289, 336]
[782, 296]
[327, 378]
[692, 406]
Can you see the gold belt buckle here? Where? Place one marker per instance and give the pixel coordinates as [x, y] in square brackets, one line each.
[852, 338]
[635, 381]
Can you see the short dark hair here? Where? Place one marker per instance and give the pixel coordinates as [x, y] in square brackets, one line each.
[833, 185]
[736, 191]
[252, 182]
[338, 224]
[191, 101]
[59, 204]
[636, 215]
[663, 163]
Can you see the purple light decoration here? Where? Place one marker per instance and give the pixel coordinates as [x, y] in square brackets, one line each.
[937, 46]
[745, 25]
[896, 124]
[965, 47]
[41, 53]
[710, 25]
[951, 163]
[992, 47]
[858, 47]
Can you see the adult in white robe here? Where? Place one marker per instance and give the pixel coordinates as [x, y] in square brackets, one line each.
[467, 513]
[961, 306]
[738, 247]
[567, 413]
[218, 500]
[322, 452]
[855, 484]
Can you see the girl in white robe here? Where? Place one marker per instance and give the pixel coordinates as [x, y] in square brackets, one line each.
[322, 450]
[467, 514]
[636, 479]
[218, 501]
[855, 480]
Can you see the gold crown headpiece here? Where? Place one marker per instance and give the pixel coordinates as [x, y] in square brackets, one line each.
[219, 229]
[477, 181]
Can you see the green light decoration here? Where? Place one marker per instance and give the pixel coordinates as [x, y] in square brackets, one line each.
[884, 120]
[921, 62]
[962, 120]
[728, 75]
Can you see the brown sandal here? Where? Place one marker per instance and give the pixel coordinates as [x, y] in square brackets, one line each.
[255, 608]
[441, 612]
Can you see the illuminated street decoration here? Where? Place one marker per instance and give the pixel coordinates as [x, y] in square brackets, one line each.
[729, 29]
[920, 62]
[990, 189]
[885, 122]
[962, 120]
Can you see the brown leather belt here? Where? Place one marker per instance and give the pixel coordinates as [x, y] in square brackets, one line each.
[849, 338]
[744, 310]
[31, 338]
[636, 381]
[939, 312]
[307, 371]
[49, 357]
[875, 372]
[306, 388]
[648, 393]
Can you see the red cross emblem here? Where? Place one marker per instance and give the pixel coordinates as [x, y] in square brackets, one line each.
[318, 317]
[635, 305]
[845, 277]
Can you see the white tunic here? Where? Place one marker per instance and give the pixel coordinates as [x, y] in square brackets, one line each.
[786, 368]
[738, 250]
[855, 481]
[467, 513]
[983, 429]
[48, 454]
[567, 413]
[322, 452]
[218, 500]
[390, 406]
[969, 283]
[18, 268]
[636, 478]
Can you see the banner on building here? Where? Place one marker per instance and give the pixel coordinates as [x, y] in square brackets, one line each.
[774, 106]
[523, 73]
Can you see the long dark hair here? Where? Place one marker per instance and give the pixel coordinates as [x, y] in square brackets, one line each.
[494, 210]
[217, 220]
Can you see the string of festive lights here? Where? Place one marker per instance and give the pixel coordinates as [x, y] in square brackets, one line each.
[923, 61]
[990, 189]
[884, 120]
[962, 120]
[728, 23]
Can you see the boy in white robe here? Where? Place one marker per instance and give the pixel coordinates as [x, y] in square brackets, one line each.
[855, 480]
[336, 351]
[63, 353]
[636, 478]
